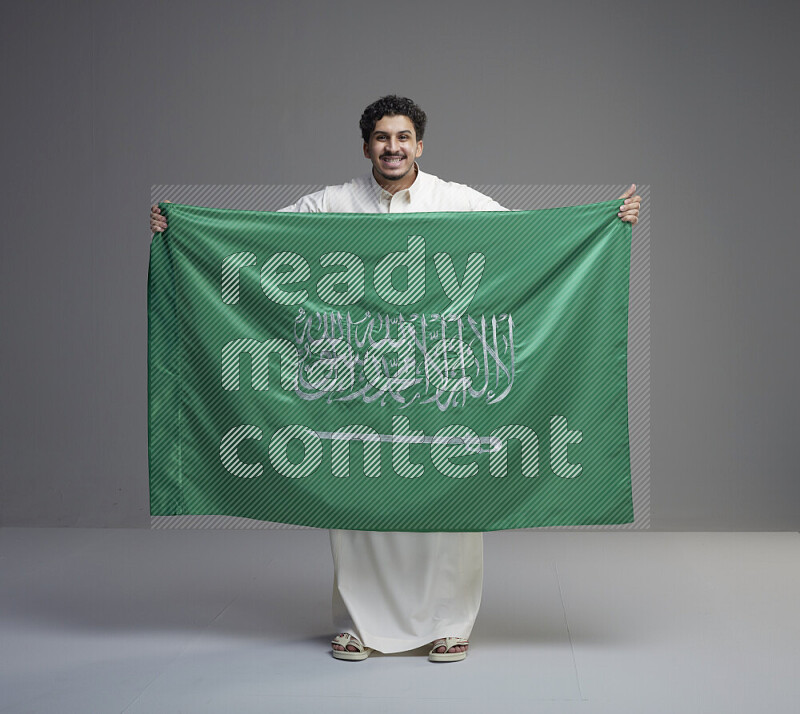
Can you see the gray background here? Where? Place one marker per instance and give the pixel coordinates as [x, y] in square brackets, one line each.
[104, 99]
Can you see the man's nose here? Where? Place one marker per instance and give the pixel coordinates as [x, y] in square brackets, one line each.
[393, 146]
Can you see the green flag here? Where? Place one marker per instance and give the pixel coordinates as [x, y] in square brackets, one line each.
[391, 372]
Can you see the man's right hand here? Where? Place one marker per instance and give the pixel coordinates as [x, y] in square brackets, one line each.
[158, 223]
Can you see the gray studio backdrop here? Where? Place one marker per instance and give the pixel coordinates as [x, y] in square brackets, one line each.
[697, 101]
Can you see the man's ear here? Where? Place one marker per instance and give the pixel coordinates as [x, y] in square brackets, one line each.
[366, 150]
[419, 148]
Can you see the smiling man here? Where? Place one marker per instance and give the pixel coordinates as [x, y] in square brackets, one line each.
[393, 148]
[397, 591]
[392, 130]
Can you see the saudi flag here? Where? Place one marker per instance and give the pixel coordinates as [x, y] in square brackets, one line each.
[391, 372]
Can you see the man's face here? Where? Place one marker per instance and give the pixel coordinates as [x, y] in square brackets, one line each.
[393, 147]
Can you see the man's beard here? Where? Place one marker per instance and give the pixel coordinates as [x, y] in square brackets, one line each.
[394, 178]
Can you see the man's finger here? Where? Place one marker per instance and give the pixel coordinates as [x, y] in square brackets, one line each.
[629, 192]
[630, 205]
[158, 222]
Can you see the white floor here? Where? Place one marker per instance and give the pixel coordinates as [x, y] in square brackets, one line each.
[144, 622]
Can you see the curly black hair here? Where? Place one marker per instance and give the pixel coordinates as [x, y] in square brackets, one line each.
[392, 105]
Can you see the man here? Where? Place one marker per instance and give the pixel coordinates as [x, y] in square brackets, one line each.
[396, 591]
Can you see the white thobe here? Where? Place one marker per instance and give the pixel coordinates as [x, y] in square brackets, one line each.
[397, 591]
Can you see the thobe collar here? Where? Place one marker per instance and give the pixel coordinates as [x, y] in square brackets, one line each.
[413, 190]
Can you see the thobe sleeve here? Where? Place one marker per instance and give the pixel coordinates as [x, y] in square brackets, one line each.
[481, 202]
[310, 203]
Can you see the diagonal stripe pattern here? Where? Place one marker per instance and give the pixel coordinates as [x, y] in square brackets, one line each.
[199, 406]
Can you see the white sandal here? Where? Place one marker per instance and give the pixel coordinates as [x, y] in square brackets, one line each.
[348, 639]
[446, 656]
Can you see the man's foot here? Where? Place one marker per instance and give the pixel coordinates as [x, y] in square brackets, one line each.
[448, 649]
[347, 646]
[350, 648]
[454, 648]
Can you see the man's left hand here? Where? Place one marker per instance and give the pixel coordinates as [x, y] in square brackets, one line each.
[629, 210]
